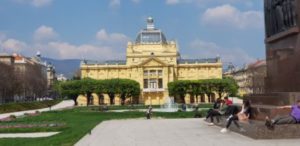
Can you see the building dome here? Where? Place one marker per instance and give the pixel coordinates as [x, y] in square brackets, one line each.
[150, 35]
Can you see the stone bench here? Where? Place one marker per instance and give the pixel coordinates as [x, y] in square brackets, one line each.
[257, 130]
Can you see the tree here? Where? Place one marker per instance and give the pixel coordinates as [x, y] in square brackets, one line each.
[7, 82]
[112, 88]
[71, 89]
[232, 88]
[179, 89]
[220, 86]
[130, 89]
[202, 87]
[87, 87]
[99, 89]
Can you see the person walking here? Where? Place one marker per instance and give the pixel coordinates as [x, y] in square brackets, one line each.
[149, 112]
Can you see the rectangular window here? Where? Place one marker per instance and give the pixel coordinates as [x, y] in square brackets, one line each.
[145, 83]
[152, 72]
[160, 72]
[160, 83]
[153, 83]
[146, 72]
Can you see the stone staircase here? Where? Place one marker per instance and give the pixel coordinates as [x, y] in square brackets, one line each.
[267, 104]
[257, 130]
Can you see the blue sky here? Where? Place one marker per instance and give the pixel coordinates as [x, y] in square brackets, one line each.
[100, 29]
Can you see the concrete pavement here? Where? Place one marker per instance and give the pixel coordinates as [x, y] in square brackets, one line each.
[28, 135]
[63, 104]
[169, 132]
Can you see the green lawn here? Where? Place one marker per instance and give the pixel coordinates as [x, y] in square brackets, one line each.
[78, 122]
[14, 107]
[118, 107]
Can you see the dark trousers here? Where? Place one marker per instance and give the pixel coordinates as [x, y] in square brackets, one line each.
[231, 110]
[148, 115]
[279, 120]
[233, 119]
[213, 113]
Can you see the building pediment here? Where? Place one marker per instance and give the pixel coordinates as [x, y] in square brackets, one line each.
[152, 62]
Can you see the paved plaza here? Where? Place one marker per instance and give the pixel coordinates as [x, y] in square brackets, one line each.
[27, 135]
[169, 132]
[62, 105]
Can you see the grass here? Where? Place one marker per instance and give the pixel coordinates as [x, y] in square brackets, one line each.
[78, 123]
[14, 107]
[119, 107]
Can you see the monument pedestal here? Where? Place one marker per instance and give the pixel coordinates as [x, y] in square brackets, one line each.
[282, 84]
[267, 104]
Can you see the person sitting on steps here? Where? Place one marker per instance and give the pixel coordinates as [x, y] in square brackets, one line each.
[243, 115]
[292, 118]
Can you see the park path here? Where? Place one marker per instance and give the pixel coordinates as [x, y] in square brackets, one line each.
[28, 135]
[63, 104]
[169, 132]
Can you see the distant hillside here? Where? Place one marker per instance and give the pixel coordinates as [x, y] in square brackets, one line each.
[67, 67]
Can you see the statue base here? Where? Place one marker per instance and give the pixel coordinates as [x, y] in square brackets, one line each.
[267, 104]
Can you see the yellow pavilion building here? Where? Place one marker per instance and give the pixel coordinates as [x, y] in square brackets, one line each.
[153, 61]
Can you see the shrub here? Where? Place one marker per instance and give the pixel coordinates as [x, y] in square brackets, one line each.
[12, 116]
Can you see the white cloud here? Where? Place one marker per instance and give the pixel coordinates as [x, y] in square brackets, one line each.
[13, 45]
[44, 33]
[36, 3]
[115, 3]
[112, 38]
[172, 2]
[231, 16]
[2, 36]
[107, 46]
[64, 50]
[40, 3]
[136, 1]
[204, 49]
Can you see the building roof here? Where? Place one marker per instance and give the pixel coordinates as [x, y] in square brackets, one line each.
[258, 63]
[194, 61]
[151, 35]
[108, 62]
[5, 55]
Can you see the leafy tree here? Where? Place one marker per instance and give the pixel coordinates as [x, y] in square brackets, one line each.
[202, 87]
[112, 88]
[220, 86]
[99, 89]
[232, 88]
[179, 89]
[71, 89]
[87, 87]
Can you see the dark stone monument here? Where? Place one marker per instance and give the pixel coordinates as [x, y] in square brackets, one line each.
[282, 25]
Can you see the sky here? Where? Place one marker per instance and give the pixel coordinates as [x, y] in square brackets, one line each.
[100, 29]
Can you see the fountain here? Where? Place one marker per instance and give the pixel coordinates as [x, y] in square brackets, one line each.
[169, 106]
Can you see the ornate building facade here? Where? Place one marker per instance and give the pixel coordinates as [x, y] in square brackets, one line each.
[153, 61]
[251, 78]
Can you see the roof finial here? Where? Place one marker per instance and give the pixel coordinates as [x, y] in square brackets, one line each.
[150, 23]
[38, 54]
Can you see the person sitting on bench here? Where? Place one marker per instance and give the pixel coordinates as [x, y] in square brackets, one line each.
[227, 101]
[292, 118]
[214, 112]
[243, 115]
